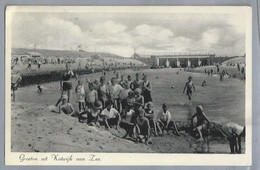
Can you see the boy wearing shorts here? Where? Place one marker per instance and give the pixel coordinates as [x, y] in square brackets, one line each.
[188, 87]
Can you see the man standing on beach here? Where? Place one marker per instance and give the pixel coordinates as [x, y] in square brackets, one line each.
[66, 84]
[15, 80]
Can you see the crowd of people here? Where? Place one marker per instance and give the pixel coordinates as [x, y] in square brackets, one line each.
[109, 103]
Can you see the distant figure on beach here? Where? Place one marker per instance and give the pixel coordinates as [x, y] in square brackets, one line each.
[39, 63]
[164, 121]
[15, 80]
[39, 89]
[29, 67]
[233, 133]
[218, 68]
[142, 130]
[188, 87]
[211, 72]
[238, 67]
[202, 122]
[208, 72]
[205, 71]
[204, 83]
[221, 77]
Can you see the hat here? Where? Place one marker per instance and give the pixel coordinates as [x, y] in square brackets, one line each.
[64, 97]
[199, 108]
[149, 104]
[131, 94]
[138, 91]
[165, 105]
[98, 104]
[102, 78]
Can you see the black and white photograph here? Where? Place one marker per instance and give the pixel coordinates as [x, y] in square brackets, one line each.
[158, 81]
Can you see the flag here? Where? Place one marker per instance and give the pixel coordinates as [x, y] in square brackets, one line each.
[79, 47]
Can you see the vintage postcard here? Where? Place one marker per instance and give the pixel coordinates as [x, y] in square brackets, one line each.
[128, 85]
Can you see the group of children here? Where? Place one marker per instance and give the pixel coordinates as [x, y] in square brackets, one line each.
[119, 100]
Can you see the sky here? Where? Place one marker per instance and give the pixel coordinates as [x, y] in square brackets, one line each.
[121, 34]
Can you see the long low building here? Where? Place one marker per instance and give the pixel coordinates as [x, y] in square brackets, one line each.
[190, 60]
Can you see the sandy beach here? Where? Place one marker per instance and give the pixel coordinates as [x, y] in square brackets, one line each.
[36, 129]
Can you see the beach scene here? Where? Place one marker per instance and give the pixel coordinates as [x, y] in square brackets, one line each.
[128, 83]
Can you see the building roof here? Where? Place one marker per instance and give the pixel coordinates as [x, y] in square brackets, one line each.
[34, 53]
[184, 56]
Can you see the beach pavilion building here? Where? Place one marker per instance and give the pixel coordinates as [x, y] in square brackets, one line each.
[182, 60]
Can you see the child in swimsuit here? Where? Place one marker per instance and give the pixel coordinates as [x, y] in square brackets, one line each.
[80, 90]
[188, 87]
[202, 121]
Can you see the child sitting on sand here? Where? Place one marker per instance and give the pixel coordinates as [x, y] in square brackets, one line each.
[80, 90]
[202, 121]
[142, 128]
[149, 114]
[164, 120]
[91, 114]
[233, 133]
[188, 87]
[110, 116]
[66, 107]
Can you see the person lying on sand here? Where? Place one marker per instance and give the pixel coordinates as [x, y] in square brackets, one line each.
[233, 133]
[164, 121]
[202, 121]
[110, 116]
[66, 107]
[142, 128]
